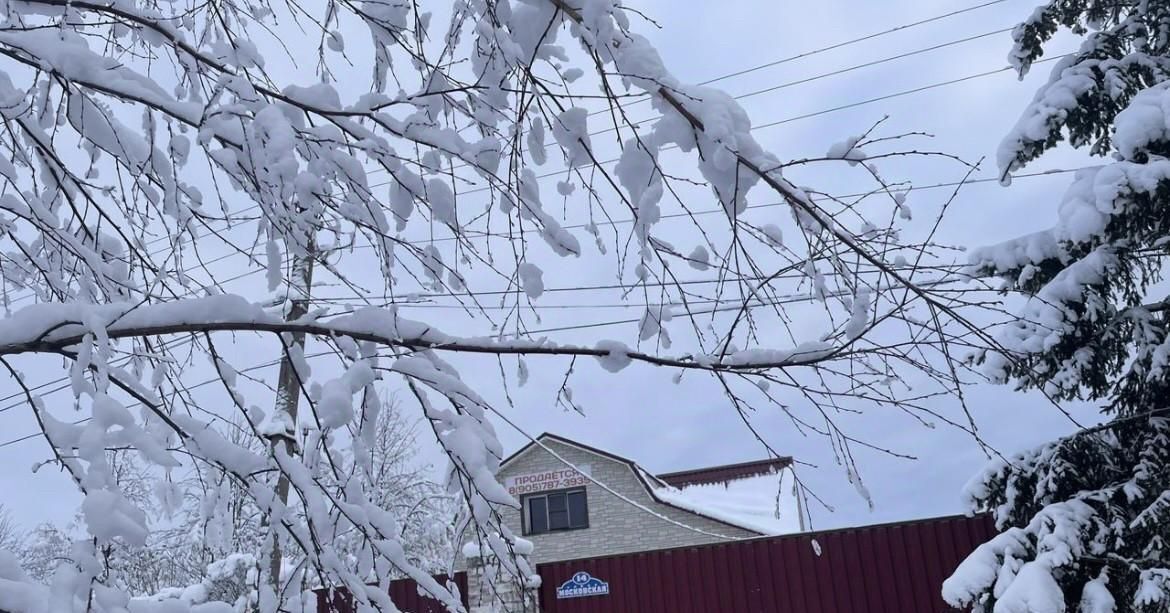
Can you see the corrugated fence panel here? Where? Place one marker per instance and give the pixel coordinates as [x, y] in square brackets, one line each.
[404, 593]
[892, 568]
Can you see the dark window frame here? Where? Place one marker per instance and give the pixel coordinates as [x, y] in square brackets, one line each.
[525, 520]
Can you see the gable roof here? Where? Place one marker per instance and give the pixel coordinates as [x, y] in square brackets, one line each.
[567, 441]
[652, 484]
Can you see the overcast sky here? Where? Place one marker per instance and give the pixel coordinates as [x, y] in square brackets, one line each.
[640, 413]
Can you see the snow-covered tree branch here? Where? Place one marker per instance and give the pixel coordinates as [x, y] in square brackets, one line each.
[163, 153]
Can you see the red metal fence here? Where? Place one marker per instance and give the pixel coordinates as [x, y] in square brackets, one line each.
[404, 593]
[891, 568]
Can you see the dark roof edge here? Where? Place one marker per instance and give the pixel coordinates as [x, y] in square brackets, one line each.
[726, 472]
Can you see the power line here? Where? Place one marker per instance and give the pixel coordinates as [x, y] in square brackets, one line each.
[203, 383]
[679, 215]
[26, 437]
[746, 305]
[616, 222]
[724, 309]
[818, 113]
[906, 92]
[127, 358]
[933, 186]
[825, 75]
[842, 44]
[385, 301]
[1043, 173]
[228, 225]
[181, 342]
[739, 97]
[773, 88]
[853, 41]
[173, 344]
[417, 298]
[877, 62]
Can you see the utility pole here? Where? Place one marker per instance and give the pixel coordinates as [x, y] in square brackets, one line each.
[288, 388]
[799, 503]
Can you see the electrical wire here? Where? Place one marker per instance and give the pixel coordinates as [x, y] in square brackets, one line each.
[802, 81]
[778, 301]
[228, 225]
[617, 222]
[842, 44]
[900, 28]
[877, 62]
[774, 123]
[749, 94]
[583, 288]
[754, 128]
[417, 299]
[849, 42]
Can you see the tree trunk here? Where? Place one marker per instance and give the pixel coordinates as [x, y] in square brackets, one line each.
[288, 391]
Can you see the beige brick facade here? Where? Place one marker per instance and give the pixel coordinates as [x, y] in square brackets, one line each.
[618, 523]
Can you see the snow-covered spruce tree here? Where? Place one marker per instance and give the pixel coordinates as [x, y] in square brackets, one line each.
[1085, 520]
[390, 151]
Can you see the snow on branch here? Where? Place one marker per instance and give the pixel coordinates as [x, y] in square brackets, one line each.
[158, 159]
[55, 328]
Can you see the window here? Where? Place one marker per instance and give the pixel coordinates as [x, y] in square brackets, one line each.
[553, 511]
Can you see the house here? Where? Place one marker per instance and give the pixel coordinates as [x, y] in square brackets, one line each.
[578, 501]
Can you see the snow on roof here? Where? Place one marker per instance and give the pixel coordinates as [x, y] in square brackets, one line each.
[763, 503]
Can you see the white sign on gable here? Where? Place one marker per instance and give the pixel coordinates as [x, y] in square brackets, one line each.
[557, 479]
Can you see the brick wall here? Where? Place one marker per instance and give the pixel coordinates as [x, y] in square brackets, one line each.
[492, 590]
[615, 526]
